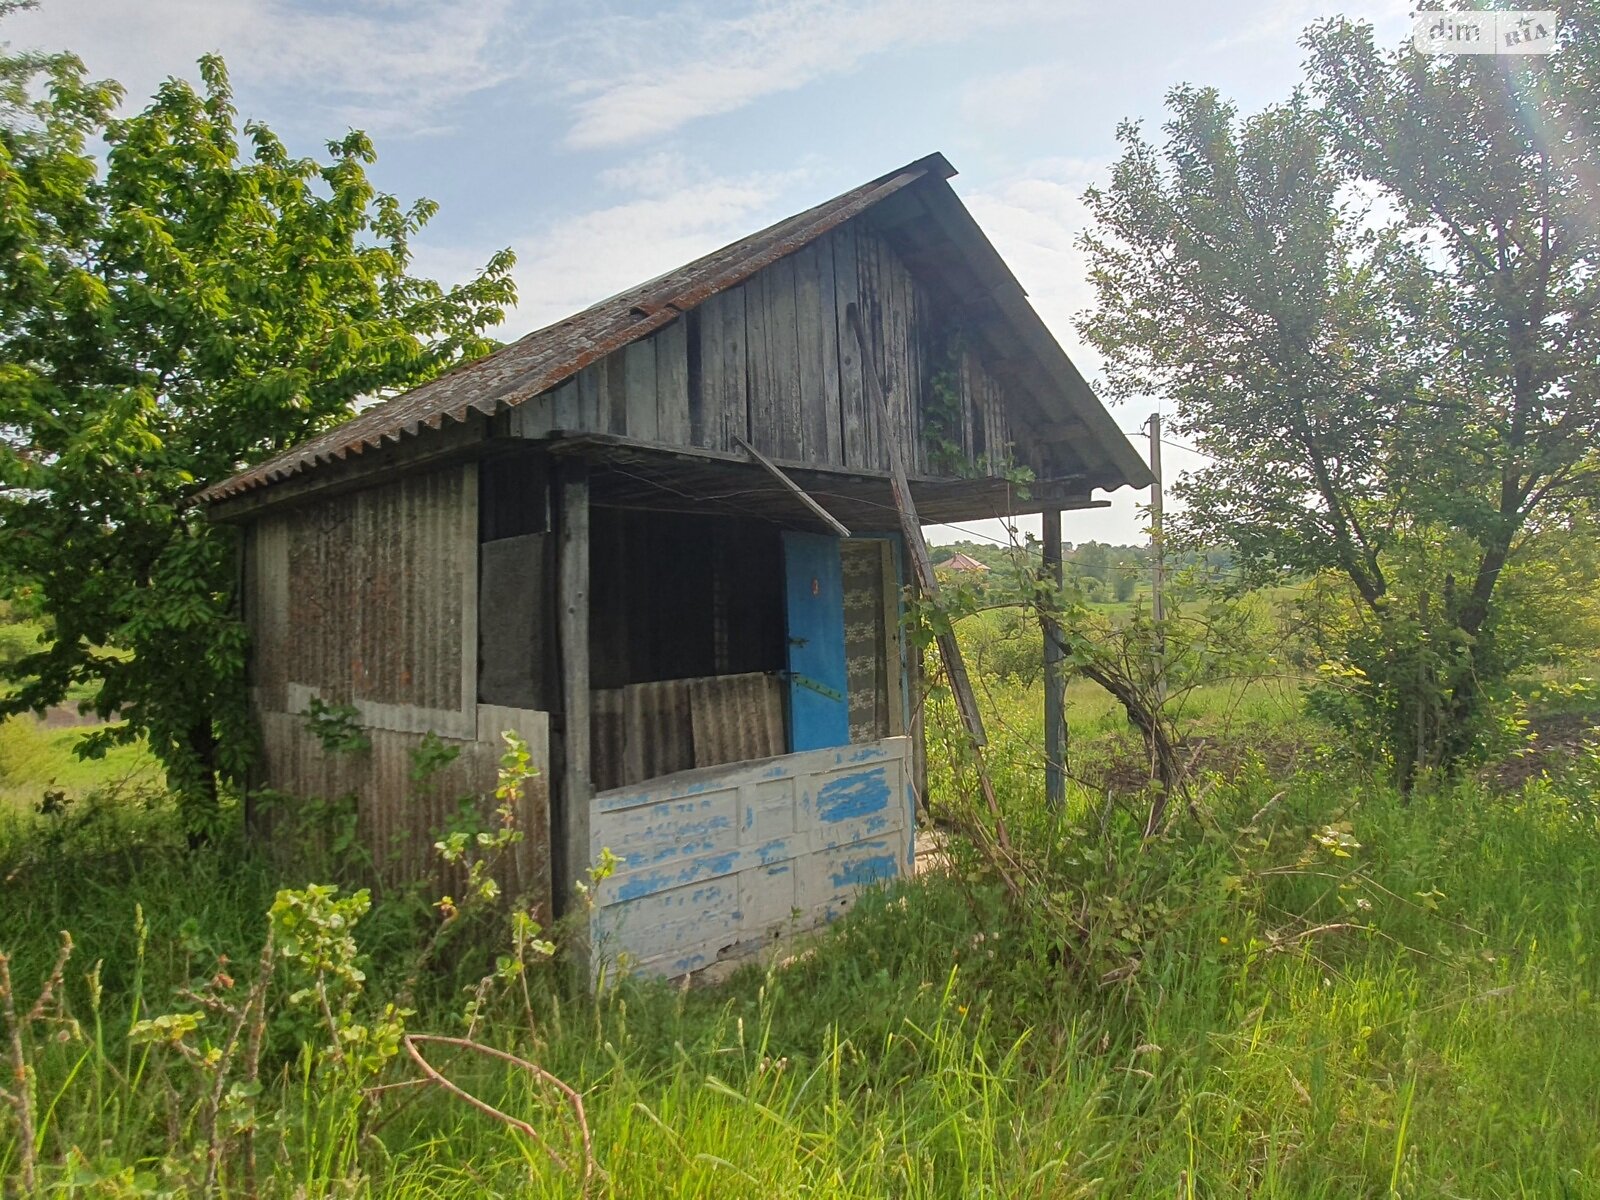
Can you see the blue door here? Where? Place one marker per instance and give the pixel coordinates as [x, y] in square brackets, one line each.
[819, 706]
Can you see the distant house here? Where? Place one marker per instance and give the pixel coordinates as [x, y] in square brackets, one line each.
[964, 563]
[620, 537]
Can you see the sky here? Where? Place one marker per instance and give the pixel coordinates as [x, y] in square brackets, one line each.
[608, 142]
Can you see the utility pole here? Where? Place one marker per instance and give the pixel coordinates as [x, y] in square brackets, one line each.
[1158, 555]
[1055, 709]
[1157, 548]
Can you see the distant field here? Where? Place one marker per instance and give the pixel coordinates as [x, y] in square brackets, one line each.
[38, 756]
[35, 759]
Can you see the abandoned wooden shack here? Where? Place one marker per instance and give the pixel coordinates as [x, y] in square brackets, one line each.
[659, 540]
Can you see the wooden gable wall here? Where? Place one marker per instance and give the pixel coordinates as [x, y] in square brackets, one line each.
[774, 361]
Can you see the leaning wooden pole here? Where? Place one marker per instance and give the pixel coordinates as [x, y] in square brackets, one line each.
[955, 666]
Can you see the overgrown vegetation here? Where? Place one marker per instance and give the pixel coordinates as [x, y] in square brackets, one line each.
[1375, 306]
[1312, 991]
[189, 300]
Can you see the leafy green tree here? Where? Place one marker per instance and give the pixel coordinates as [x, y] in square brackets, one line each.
[197, 303]
[1092, 560]
[1377, 314]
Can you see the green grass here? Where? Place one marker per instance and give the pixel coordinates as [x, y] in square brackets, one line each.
[1416, 1019]
[35, 759]
[1313, 991]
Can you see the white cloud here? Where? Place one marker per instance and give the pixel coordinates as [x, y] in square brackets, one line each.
[656, 174]
[1282, 22]
[659, 73]
[1012, 99]
[384, 65]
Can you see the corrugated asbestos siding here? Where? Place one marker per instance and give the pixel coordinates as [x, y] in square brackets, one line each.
[379, 582]
[398, 821]
[370, 599]
[646, 730]
[779, 367]
[717, 863]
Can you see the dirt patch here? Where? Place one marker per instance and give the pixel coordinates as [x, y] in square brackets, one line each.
[1556, 740]
[1120, 765]
[67, 716]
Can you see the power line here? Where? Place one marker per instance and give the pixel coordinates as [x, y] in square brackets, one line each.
[1166, 441]
[987, 537]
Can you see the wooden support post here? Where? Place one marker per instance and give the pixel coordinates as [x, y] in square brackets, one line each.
[1055, 709]
[1158, 557]
[572, 631]
[927, 582]
[911, 530]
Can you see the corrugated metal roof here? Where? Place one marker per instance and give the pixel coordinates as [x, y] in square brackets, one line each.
[546, 357]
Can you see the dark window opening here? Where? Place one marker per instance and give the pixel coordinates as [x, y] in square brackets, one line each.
[686, 643]
[516, 574]
[680, 597]
[513, 495]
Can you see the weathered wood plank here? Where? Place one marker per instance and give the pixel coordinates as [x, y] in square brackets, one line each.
[591, 399]
[640, 418]
[817, 335]
[808, 353]
[728, 410]
[614, 391]
[876, 423]
[783, 345]
[564, 406]
[975, 425]
[1000, 423]
[638, 721]
[704, 367]
[854, 420]
[828, 299]
[914, 365]
[993, 415]
[672, 384]
[760, 372]
[897, 347]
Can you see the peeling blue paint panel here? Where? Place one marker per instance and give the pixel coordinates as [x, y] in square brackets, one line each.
[717, 862]
[653, 834]
[853, 795]
[858, 872]
[669, 924]
[830, 889]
